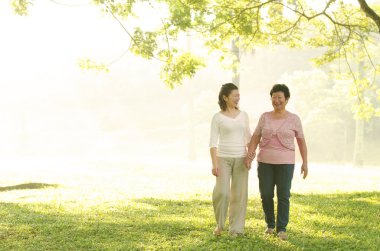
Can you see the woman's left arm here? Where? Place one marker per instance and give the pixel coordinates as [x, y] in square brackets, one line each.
[303, 151]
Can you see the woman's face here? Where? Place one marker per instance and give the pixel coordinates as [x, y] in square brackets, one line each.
[233, 99]
[279, 101]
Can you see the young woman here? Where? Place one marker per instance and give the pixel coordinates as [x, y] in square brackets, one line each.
[230, 135]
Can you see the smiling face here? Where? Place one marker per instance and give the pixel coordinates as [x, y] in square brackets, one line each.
[279, 101]
[232, 100]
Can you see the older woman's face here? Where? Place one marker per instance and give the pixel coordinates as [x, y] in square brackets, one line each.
[279, 101]
[233, 99]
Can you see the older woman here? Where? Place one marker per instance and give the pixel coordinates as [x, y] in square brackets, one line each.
[275, 133]
[230, 135]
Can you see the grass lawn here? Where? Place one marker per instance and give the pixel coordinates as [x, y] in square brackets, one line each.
[112, 206]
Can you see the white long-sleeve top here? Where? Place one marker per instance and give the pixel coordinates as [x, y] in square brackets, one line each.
[230, 135]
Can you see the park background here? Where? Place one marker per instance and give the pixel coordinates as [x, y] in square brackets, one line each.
[93, 160]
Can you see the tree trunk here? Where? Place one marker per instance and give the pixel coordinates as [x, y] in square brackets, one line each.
[192, 155]
[236, 62]
[190, 116]
[358, 160]
[345, 142]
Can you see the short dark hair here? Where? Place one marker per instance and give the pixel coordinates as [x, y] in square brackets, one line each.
[280, 88]
[225, 90]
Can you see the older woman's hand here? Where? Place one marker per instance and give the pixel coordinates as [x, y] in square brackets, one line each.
[304, 170]
[248, 160]
[251, 155]
[247, 163]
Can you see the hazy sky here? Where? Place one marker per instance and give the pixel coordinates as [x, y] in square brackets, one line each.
[40, 79]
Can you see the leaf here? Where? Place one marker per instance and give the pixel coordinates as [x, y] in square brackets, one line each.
[20, 7]
[88, 64]
[144, 43]
[180, 67]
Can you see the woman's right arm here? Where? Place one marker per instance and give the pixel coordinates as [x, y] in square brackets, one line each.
[215, 161]
[214, 137]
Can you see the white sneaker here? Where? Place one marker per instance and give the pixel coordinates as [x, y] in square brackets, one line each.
[269, 231]
[282, 235]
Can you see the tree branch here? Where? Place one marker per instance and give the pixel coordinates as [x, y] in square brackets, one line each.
[370, 60]
[129, 34]
[370, 13]
[303, 11]
[348, 64]
[166, 30]
[322, 13]
[292, 27]
[122, 26]
[242, 10]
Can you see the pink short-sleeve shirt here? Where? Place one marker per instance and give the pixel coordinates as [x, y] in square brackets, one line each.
[277, 138]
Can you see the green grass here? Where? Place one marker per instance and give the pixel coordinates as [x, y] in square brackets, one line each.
[318, 222]
[149, 206]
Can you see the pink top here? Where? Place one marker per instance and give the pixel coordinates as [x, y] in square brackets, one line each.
[277, 138]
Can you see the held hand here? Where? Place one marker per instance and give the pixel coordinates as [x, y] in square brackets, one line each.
[304, 170]
[215, 171]
[248, 163]
[248, 160]
[251, 155]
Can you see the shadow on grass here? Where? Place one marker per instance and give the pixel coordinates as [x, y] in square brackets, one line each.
[28, 186]
[160, 224]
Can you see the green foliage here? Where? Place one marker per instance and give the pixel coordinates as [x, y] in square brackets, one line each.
[184, 65]
[144, 43]
[355, 53]
[89, 64]
[364, 110]
[21, 7]
[180, 15]
[343, 30]
[120, 8]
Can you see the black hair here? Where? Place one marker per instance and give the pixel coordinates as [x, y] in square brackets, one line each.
[225, 91]
[280, 88]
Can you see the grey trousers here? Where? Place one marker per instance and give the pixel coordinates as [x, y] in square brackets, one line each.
[231, 189]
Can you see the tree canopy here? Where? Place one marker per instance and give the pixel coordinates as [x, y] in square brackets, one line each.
[347, 30]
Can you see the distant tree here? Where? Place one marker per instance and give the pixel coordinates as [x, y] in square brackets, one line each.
[322, 103]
